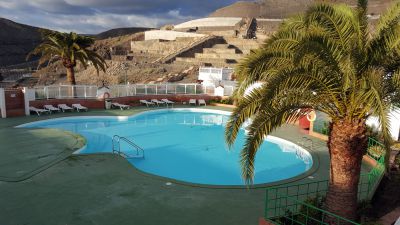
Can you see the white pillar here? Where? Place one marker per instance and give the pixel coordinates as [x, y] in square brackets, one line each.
[3, 103]
[29, 95]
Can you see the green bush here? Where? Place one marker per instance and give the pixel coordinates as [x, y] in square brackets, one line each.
[228, 101]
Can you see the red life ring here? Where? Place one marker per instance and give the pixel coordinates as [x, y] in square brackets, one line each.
[106, 95]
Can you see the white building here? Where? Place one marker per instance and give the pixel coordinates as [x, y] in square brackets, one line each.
[216, 76]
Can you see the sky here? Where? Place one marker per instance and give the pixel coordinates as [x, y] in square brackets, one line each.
[95, 16]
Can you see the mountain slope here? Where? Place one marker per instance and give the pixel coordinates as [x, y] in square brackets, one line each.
[120, 32]
[16, 41]
[284, 8]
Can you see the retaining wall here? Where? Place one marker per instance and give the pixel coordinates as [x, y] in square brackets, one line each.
[131, 100]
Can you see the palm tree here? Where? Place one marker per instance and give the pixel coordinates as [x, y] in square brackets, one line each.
[327, 59]
[69, 48]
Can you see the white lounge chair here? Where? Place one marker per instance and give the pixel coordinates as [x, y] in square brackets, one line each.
[147, 103]
[64, 107]
[121, 106]
[192, 102]
[168, 102]
[202, 102]
[158, 102]
[79, 107]
[38, 111]
[51, 108]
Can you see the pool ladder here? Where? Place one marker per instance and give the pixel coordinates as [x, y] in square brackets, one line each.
[116, 147]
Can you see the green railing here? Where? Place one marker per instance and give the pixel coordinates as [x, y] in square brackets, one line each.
[288, 204]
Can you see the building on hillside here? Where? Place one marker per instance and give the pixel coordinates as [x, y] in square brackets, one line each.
[216, 76]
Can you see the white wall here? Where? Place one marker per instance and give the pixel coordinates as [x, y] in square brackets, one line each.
[211, 75]
[168, 35]
[2, 103]
[29, 95]
[394, 123]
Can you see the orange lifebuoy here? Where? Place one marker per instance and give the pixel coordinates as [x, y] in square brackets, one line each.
[106, 95]
[311, 116]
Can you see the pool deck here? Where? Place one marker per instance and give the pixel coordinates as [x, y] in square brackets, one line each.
[41, 182]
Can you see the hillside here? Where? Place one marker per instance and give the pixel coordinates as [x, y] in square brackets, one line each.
[120, 32]
[284, 8]
[16, 41]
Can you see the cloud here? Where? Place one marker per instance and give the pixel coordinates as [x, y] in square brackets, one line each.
[94, 16]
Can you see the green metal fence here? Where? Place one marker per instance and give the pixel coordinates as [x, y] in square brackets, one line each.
[288, 204]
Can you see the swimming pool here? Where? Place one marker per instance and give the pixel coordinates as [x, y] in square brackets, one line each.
[186, 145]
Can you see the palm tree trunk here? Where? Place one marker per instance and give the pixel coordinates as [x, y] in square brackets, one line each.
[71, 75]
[347, 145]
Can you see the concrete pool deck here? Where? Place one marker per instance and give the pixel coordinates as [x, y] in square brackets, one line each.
[56, 187]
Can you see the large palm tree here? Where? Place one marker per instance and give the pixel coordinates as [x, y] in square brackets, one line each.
[69, 48]
[327, 59]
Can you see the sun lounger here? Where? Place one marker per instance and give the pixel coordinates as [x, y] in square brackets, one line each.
[147, 103]
[79, 107]
[51, 108]
[202, 102]
[192, 102]
[121, 106]
[158, 102]
[64, 107]
[38, 111]
[168, 102]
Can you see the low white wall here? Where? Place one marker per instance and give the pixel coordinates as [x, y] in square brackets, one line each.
[168, 35]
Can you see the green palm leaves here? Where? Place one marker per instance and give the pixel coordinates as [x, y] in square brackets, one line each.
[70, 48]
[326, 59]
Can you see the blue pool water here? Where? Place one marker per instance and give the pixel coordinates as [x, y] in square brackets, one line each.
[186, 145]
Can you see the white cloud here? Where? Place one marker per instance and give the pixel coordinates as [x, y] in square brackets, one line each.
[94, 16]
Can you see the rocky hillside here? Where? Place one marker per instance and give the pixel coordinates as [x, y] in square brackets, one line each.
[16, 41]
[284, 8]
[120, 32]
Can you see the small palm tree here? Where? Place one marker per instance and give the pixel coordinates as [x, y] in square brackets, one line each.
[329, 60]
[69, 48]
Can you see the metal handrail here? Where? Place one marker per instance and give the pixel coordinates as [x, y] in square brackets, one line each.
[117, 140]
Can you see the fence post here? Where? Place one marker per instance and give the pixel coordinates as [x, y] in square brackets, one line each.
[3, 103]
[29, 95]
[195, 89]
[135, 89]
[59, 92]
[145, 89]
[185, 90]
[156, 89]
[85, 91]
[46, 89]
[166, 89]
